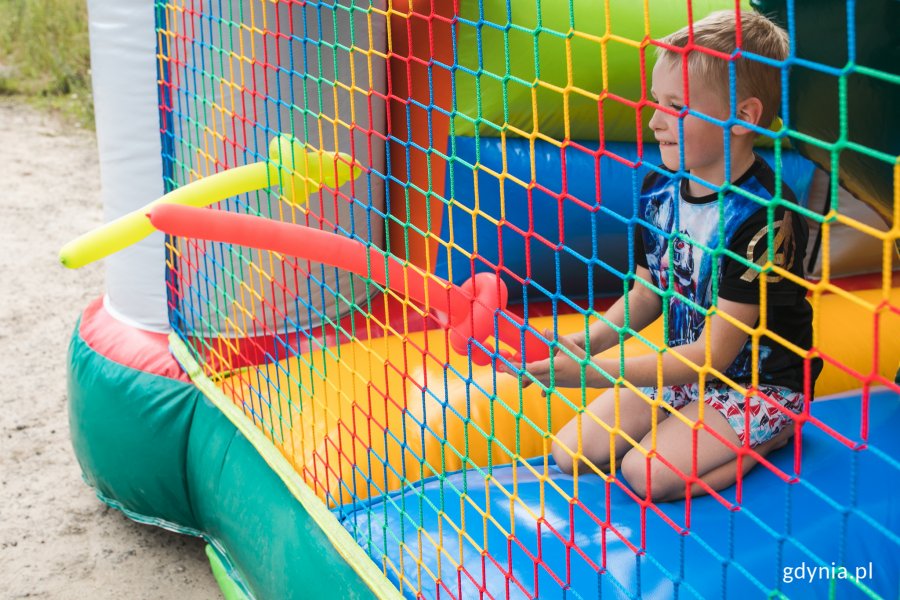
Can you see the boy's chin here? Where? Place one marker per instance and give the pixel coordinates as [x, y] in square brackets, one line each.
[671, 162]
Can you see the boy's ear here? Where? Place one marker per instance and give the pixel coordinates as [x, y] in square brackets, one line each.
[750, 111]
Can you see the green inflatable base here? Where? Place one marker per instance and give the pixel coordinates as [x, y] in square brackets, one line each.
[161, 452]
[231, 589]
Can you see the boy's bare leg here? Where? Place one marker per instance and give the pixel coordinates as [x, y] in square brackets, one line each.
[716, 462]
[726, 475]
[634, 420]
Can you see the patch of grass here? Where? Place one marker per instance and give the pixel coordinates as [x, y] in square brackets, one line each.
[45, 55]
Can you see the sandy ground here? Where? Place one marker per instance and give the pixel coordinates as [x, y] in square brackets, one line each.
[57, 540]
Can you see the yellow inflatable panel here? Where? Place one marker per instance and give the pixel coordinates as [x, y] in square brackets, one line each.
[844, 331]
[364, 417]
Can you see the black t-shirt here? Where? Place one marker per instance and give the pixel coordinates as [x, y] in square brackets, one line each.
[701, 248]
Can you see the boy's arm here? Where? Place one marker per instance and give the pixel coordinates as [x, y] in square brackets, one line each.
[715, 348]
[739, 297]
[644, 306]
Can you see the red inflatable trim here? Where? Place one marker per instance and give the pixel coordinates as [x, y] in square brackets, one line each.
[131, 347]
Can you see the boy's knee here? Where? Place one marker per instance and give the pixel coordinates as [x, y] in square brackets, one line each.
[634, 471]
[563, 459]
[662, 484]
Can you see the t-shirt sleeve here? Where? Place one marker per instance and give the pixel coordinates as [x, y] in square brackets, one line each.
[640, 254]
[739, 280]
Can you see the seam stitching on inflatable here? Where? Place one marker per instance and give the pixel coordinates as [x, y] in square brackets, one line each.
[339, 537]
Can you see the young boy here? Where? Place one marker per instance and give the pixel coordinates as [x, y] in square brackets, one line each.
[683, 221]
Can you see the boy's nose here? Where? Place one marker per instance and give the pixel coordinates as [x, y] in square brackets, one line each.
[656, 121]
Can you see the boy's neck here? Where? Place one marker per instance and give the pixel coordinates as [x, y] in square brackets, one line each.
[741, 161]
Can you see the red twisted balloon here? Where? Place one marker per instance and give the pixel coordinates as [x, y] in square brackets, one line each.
[469, 309]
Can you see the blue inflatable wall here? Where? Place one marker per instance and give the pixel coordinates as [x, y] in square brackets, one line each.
[580, 242]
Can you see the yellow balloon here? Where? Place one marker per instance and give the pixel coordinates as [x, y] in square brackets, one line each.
[301, 170]
[135, 226]
[296, 167]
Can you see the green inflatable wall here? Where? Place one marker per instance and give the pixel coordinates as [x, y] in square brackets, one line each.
[160, 451]
[502, 54]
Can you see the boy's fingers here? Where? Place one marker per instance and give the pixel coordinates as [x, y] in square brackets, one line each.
[539, 370]
[533, 368]
[572, 347]
[539, 366]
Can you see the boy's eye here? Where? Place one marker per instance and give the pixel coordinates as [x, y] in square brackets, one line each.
[676, 107]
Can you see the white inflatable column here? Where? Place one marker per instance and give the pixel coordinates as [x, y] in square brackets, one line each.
[124, 65]
[123, 68]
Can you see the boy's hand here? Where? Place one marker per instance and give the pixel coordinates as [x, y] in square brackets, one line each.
[567, 371]
[576, 338]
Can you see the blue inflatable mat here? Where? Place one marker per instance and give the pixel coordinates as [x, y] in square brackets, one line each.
[787, 538]
[589, 225]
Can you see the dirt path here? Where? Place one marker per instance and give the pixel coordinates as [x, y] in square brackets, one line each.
[56, 539]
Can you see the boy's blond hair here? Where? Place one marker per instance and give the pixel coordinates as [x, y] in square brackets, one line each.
[754, 79]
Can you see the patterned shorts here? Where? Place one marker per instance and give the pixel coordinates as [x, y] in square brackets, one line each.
[765, 418]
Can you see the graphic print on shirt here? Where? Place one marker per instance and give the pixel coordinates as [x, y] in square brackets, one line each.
[783, 243]
[680, 262]
[680, 243]
[681, 240]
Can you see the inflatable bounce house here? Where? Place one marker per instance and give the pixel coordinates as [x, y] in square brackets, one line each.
[339, 229]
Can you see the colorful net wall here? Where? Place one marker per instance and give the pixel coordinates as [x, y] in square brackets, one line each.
[478, 168]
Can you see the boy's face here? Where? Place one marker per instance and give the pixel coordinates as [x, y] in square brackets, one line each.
[703, 149]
